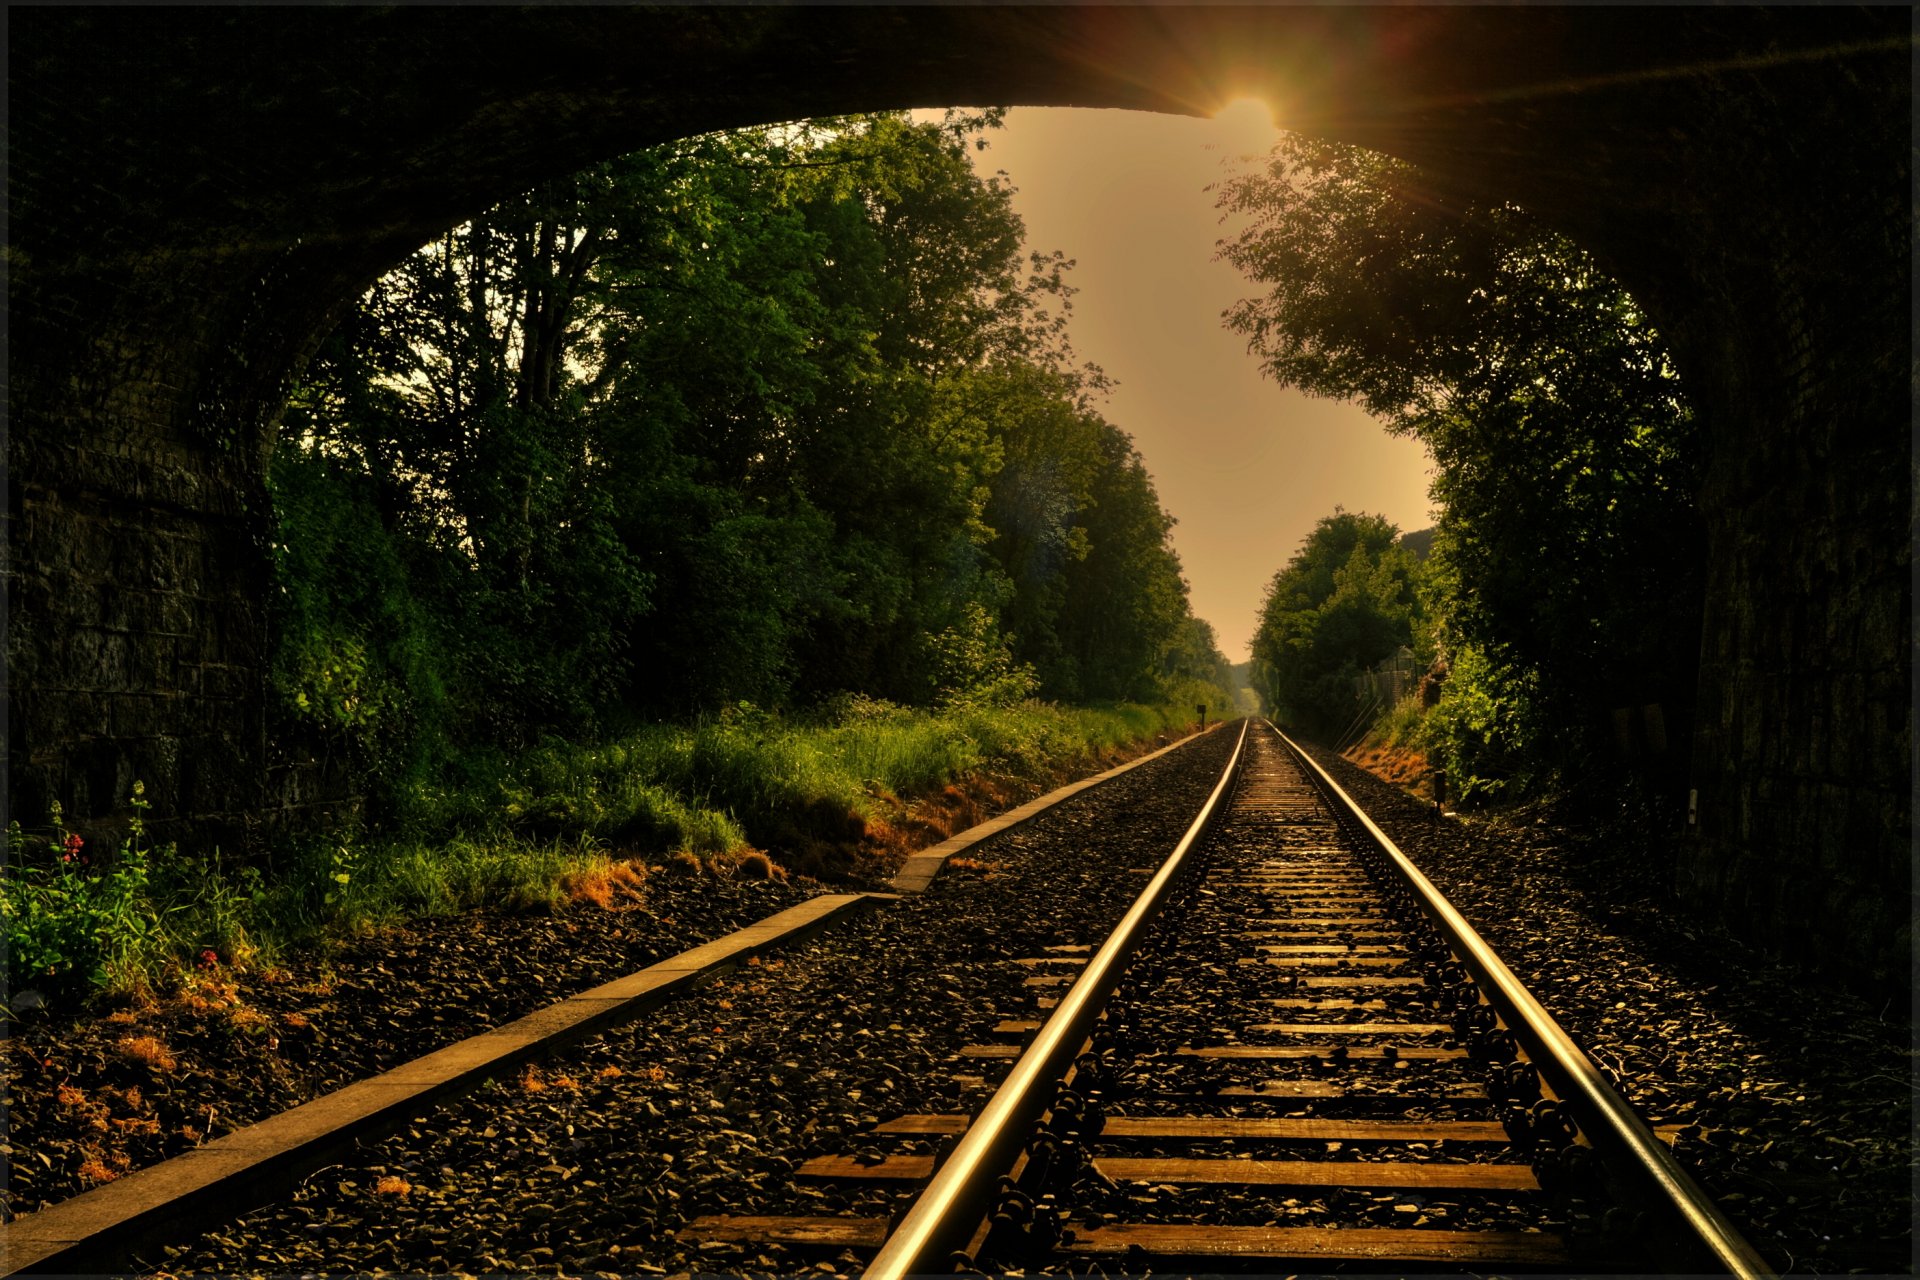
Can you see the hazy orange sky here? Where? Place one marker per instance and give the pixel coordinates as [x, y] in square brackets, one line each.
[1245, 466]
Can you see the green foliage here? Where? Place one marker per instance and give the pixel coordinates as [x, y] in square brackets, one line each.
[1403, 726]
[972, 663]
[1569, 552]
[753, 777]
[1347, 600]
[767, 416]
[359, 661]
[1489, 731]
[68, 921]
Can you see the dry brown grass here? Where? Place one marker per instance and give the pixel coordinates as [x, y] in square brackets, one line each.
[94, 1171]
[609, 886]
[99, 1167]
[684, 862]
[87, 1111]
[909, 826]
[755, 865]
[205, 994]
[609, 1073]
[148, 1052]
[534, 1079]
[1397, 765]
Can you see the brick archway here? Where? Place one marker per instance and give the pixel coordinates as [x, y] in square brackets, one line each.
[195, 194]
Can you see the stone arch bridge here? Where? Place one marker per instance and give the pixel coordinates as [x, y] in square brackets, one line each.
[196, 194]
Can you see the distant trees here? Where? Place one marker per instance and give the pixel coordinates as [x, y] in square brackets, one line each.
[1569, 551]
[765, 415]
[1347, 600]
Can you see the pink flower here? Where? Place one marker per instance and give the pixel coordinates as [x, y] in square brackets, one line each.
[73, 843]
[209, 958]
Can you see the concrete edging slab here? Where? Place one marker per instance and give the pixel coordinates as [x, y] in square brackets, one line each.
[97, 1230]
[917, 874]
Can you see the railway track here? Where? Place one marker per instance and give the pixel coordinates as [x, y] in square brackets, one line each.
[1290, 1052]
[1288, 1055]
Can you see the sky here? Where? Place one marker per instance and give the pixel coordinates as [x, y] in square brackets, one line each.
[1246, 467]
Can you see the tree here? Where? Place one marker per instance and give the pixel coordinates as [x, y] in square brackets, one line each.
[1566, 457]
[766, 416]
[1347, 600]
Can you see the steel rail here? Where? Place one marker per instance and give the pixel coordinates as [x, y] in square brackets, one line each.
[954, 1202]
[1606, 1118]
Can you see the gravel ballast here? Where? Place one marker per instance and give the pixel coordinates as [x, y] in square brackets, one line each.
[241, 1047]
[592, 1161]
[1798, 1095]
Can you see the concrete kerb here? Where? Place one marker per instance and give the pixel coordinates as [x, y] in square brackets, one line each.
[917, 874]
[99, 1230]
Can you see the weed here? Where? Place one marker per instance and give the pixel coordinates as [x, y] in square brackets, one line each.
[392, 1185]
[68, 918]
[148, 1052]
[755, 865]
[94, 1170]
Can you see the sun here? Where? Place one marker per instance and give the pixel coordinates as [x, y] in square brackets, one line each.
[1244, 126]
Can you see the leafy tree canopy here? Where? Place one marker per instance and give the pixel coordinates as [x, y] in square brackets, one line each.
[1566, 458]
[770, 416]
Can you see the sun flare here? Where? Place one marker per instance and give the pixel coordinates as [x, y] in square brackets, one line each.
[1245, 126]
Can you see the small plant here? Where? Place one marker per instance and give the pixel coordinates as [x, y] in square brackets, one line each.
[757, 866]
[95, 1169]
[68, 919]
[148, 1052]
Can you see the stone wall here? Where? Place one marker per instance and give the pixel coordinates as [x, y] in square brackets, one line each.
[1802, 756]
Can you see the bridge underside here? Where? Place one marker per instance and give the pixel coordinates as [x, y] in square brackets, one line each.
[195, 195]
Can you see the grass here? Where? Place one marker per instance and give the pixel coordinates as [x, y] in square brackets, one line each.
[1404, 727]
[745, 793]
